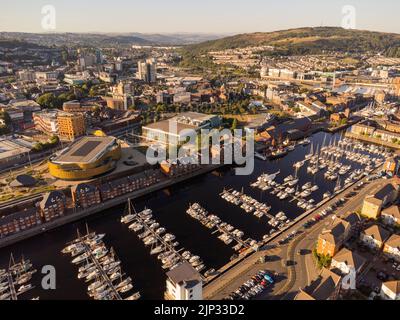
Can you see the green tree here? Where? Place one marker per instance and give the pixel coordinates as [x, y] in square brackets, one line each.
[47, 101]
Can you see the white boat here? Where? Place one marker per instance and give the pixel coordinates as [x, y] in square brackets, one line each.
[298, 164]
[200, 267]
[186, 255]
[124, 283]
[270, 177]
[160, 230]
[327, 195]
[154, 226]
[149, 241]
[193, 259]
[156, 250]
[115, 275]
[169, 237]
[5, 296]
[128, 218]
[134, 296]
[209, 272]
[290, 190]
[305, 194]
[86, 267]
[92, 275]
[71, 247]
[95, 285]
[125, 288]
[308, 185]
[136, 226]
[288, 178]
[24, 288]
[283, 196]
[80, 258]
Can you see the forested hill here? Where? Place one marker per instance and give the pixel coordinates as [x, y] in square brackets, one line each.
[309, 41]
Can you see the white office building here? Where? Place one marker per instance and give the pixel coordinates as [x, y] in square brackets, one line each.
[184, 283]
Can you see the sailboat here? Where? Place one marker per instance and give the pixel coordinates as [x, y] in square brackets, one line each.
[338, 186]
[130, 216]
[270, 177]
[309, 156]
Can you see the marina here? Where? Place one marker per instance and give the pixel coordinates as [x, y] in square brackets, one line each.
[169, 210]
[162, 244]
[100, 268]
[15, 280]
[228, 232]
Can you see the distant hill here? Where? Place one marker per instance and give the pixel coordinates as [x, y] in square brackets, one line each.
[73, 39]
[109, 39]
[309, 41]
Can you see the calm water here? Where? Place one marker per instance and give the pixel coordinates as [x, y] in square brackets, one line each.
[169, 208]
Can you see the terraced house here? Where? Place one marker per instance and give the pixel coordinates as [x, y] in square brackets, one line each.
[345, 260]
[374, 203]
[391, 247]
[391, 216]
[374, 237]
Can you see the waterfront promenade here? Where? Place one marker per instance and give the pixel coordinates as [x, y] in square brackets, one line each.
[79, 214]
[372, 140]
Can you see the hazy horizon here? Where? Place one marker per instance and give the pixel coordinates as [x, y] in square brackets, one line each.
[201, 17]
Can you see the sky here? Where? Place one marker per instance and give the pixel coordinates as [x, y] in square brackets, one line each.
[200, 16]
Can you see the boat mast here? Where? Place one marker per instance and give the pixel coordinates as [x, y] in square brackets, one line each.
[12, 261]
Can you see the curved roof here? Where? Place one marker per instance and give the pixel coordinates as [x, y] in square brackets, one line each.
[23, 180]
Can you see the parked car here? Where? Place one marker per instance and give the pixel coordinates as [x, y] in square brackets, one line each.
[382, 276]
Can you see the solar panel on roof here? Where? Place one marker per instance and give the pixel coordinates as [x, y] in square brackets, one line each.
[86, 148]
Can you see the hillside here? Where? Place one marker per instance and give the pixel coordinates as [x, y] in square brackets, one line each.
[309, 41]
[106, 40]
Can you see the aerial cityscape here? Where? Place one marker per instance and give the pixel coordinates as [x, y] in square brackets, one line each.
[228, 163]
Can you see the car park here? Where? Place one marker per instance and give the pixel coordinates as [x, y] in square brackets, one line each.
[253, 287]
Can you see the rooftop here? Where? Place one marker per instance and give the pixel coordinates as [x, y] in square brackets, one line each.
[351, 259]
[10, 147]
[393, 286]
[185, 120]
[324, 286]
[183, 273]
[393, 241]
[84, 150]
[377, 232]
[392, 211]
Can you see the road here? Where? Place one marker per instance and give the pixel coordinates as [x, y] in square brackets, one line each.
[289, 278]
[304, 269]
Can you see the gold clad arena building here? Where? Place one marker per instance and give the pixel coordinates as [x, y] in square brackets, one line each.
[86, 158]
